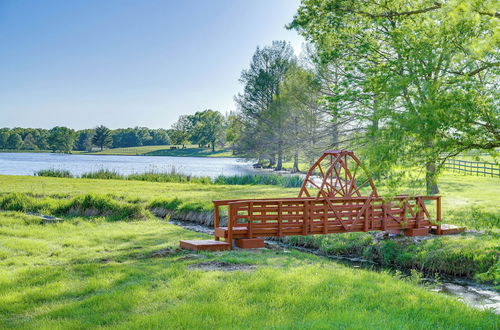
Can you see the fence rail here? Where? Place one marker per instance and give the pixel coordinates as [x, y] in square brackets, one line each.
[473, 168]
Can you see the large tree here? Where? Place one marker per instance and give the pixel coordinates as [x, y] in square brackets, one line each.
[263, 115]
[180, 132]
[14, 141]
[428, 70]
[61, 139]
[102, 137]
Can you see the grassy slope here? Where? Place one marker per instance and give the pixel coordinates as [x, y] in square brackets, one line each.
[138, 190]
[190, 151]
[83, 274]
[458, 191]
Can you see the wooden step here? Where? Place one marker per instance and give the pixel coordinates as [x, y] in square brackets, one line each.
[447, 230]
[205, 245]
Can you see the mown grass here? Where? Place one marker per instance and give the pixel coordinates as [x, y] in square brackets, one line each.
[87, 274]
[189, 151]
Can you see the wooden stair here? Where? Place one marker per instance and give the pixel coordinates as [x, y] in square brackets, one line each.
[205, 245]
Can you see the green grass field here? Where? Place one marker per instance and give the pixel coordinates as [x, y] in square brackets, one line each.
[100, 270]
[189, 151]
[87, 274]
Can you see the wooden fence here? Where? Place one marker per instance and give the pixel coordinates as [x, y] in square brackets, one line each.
[473, 168]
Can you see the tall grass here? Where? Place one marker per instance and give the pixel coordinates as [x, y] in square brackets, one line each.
[52, 172]
[287, 181]
[171, 176]
[104, 174]
[88, 205]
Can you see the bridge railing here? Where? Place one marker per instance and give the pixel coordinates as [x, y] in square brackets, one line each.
[306, 216]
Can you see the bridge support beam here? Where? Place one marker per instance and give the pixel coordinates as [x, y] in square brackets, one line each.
[249, 243]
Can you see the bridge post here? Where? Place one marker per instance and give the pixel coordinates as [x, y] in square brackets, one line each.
[249, 219]
[216, 219]
[305, 218]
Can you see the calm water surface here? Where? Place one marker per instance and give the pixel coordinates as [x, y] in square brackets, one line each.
[29, 163]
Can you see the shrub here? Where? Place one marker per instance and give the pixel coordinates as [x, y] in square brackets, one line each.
[54, 173]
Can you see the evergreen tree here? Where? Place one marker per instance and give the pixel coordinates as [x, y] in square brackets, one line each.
[102, 137]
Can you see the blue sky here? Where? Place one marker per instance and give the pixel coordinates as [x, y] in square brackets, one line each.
[124, 63]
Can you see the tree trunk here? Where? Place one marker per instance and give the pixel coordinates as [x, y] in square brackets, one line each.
[279, 166]
[430, 178]
[213, 146]
[335, 137]
[272, 160]
[295, 168]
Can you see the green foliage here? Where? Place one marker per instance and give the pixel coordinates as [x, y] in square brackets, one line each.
[14, 141]
[167, 204]
[181, 131]
[89, 205]
[61, 139]
[264, 117]
[421, 76]
[101, 205]
[102, 137]
[469, 255]
[103, 174]
[16, 202]
[54, 173]
[288, 181]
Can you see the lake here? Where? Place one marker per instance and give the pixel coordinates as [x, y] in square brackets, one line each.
[29, 163]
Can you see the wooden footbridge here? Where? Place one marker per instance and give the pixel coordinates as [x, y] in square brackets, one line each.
[330, 201]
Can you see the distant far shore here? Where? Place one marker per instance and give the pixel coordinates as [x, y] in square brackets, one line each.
[163, 150]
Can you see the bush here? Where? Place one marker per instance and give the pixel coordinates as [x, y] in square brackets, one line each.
[54, 173]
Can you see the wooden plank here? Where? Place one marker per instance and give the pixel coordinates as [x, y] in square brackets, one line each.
[205, 245]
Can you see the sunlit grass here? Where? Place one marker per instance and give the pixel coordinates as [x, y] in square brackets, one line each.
[83, 274]
[164, 150]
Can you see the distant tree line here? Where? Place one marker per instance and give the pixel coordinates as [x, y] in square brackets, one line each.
[64, 139]
[204, 128]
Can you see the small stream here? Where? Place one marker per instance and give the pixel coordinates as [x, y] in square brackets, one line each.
[471, 293]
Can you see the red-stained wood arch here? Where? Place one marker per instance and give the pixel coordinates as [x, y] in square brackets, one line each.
[335, 174]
